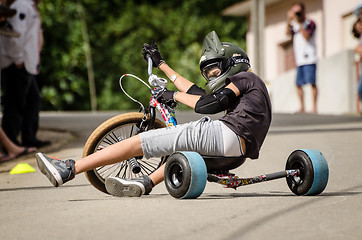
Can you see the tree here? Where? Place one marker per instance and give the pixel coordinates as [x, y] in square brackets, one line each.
[117, 30]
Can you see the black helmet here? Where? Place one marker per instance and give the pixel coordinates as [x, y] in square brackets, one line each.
[229, 58]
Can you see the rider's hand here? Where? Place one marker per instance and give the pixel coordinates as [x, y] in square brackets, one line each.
[152, 50]
[167, 97]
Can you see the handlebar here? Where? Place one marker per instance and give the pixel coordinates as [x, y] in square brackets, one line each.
[153, 80]
[159, 84]
[149, 61]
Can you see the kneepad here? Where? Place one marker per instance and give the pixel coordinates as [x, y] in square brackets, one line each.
[216, 102]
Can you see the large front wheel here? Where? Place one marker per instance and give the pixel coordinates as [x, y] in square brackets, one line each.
[110, 132]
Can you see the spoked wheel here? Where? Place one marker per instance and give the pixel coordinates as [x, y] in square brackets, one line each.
[185, 175]
[313, 171]
[110, 132]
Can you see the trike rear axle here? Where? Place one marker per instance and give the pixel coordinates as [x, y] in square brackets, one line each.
[232, 181]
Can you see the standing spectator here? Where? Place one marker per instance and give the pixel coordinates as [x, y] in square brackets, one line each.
[12, 150]
[19, 63]
[302, 31]
[357, 32]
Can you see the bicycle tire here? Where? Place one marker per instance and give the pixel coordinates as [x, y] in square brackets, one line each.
[111, 131]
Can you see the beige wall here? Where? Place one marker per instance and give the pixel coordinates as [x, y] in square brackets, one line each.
[337, 87]
[335, 12]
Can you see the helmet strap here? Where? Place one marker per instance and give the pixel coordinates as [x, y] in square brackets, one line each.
[240, 59]
[229, 62]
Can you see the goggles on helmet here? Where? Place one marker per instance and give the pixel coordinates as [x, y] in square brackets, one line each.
[212, 70]
[223, 65]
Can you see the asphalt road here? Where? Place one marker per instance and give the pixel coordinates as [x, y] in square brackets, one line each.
[32, 209]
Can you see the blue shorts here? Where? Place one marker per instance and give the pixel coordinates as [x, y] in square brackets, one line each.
[306, 74]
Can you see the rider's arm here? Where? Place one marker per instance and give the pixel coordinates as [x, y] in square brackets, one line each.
[181, 83]
[216, 102]
[212, 103]
[196, 90]
[187, 99]
[307, 32]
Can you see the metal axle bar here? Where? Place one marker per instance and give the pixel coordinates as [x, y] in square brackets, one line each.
[234, 181]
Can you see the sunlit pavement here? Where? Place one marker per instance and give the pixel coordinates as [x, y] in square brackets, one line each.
[32, 209]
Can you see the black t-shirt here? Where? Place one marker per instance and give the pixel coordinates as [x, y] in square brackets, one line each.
[251, 115]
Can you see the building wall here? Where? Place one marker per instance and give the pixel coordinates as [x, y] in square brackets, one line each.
[275, 33]
[331, 30]
[334, 21]
[334, 31]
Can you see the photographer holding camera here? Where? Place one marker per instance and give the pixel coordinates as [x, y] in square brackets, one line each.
[302, 30]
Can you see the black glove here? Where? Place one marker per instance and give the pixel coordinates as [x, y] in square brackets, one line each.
[167, 97]
[154, 53]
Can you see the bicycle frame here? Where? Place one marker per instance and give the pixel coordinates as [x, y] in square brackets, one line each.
[159, 84]
[167, 113]
[168, 116]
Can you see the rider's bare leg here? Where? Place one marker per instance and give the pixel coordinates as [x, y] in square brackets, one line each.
[118, 152]
[158, 176]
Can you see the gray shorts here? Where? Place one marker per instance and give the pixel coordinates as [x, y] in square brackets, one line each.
[204, 136]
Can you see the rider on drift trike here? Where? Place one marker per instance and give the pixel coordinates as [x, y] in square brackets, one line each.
[230, 87]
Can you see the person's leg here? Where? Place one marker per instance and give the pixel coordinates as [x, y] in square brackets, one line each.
[231, 145]
[12, 149]
[120, 187]
[301, 98]
[360, 88]
[30, 123]
[203, 136]
[128, 148]
[6, 142]
[315, 96]
[118, 152]
[310, 76]
[59, 172]
[300, 83]
[15, 87]
[158, 176]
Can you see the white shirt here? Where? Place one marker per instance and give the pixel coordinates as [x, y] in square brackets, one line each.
[304, 50]
[24, 49]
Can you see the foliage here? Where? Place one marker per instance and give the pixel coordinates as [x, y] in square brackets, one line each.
[117, 31]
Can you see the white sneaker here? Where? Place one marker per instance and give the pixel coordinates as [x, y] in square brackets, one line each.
[120, 187]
